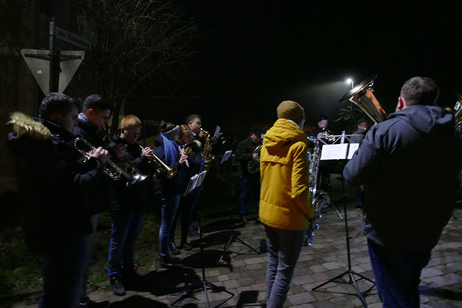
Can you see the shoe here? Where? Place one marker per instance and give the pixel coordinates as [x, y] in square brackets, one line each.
[186, 247]
[359, 206]
[173, 249]
[244, 220]
[168, 261]
[117, 286]
[257, 221]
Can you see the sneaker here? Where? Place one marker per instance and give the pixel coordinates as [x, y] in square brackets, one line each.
[186, 247]
[168, 261]
[173, 249]
[116, 285]
[244, 220]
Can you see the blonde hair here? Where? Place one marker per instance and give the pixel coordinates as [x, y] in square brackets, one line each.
[130, 121]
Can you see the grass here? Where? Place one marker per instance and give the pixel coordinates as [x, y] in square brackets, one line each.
[20, 270]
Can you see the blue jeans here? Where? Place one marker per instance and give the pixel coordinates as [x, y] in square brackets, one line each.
[169, 208]
[284, 248]
[245, 187]
[397, 275]
[126, 226]
[62, 271]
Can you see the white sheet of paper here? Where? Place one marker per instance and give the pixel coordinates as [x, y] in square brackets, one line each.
[352, 149]
[226, 156]
[334, 151]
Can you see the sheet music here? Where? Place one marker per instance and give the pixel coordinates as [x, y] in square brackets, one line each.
[226, 156]
[334, 151]
[217, 133]
[352, 149]
[194, 182]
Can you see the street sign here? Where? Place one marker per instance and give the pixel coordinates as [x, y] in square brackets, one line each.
[38, 62]
[72, 38]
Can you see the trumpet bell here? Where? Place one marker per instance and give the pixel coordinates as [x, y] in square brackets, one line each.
[354, 95]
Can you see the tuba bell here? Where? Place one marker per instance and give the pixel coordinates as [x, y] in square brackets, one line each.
[253, 166]
[369, 108]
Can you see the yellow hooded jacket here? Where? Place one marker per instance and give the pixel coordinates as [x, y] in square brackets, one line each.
[284, 199]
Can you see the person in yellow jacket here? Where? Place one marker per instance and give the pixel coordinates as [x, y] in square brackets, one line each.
[285, 204]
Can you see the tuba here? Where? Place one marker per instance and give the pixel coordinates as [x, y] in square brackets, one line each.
[371, 109]
[118, 172]
[318, 197]
[253, 166]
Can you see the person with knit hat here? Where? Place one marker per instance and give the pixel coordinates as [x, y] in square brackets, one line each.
[285, 204]
[170, 187]
[248, 181]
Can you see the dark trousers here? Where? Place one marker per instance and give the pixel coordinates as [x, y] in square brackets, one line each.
[185, 210]
[246, 187]
[63, 275]
[397, 275]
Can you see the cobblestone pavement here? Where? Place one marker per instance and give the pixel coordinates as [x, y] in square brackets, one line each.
[242, 270]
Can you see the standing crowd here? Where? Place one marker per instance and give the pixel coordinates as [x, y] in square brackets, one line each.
[406, 170]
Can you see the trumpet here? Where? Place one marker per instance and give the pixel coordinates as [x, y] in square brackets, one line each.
[170, 172]
[132, 178]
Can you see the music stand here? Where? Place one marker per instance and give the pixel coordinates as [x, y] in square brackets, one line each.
[188, 292]
[234, 237]
[351, 274]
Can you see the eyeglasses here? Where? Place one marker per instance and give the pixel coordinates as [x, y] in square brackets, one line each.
[133, 134]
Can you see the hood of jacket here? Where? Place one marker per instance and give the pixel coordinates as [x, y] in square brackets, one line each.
[282, 134]
[427, 119]
[26, 129]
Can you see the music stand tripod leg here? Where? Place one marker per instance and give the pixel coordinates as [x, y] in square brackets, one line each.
[233, 237]
[205, 284]
[349, 272]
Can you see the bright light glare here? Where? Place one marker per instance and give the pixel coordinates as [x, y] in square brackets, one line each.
[349, 80]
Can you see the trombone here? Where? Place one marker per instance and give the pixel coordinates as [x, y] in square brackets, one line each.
[170, 172]
[132, 178]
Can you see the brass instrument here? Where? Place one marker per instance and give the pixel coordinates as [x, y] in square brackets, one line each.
[458, 112]
[355, 95]
[253, 166]
[132, 178]
[318, 197]
[207, 157]
[170, 172]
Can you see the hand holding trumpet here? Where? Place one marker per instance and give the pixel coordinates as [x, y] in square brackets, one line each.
[98, 153]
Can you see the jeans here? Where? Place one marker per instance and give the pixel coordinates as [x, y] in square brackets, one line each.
[126, 226]
[89, 242]
[397, 275]
[169, 208]
[245, 187]
[284, 248]
[62, 271]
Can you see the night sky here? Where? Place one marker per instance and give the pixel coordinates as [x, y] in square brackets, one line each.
[258, 53]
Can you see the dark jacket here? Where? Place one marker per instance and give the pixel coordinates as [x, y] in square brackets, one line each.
[175, 184]
[102, 197]
[53, 188]
[409, 166]
[244, 154]
[136, 195]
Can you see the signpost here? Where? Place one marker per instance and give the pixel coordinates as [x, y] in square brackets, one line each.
[53, 70]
